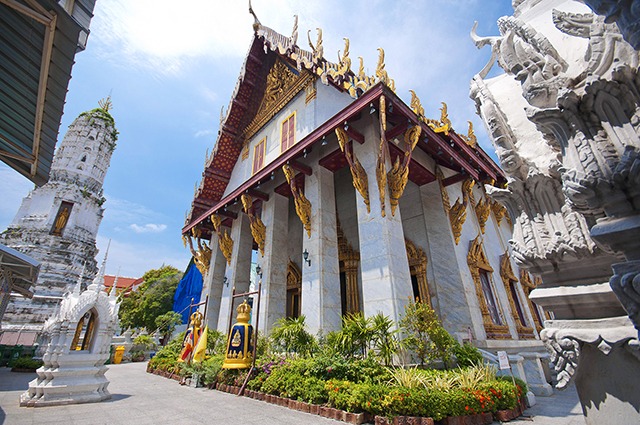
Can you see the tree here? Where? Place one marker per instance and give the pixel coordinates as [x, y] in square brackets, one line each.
[166, 323]
[425, 334]
[154, 298]
[290, 335]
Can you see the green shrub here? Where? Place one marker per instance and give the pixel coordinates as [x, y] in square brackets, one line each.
[425, 335]
[166, 358]
[25, 363]
[467, 355]
[210, 368]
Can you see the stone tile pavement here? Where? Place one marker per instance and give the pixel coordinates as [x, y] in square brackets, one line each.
[141, 398]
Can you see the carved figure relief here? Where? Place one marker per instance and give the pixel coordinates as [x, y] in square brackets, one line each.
[258, 229]
[303, 205]
[358, 174]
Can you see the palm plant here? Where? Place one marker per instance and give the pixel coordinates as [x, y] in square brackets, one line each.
[290, 335]
[384, 338]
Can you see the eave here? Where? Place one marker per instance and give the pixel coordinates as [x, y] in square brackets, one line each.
[456, 154]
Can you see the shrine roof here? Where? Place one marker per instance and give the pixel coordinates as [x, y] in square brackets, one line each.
[451, 150]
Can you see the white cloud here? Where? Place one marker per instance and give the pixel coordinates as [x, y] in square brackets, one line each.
[148, 228]
[134, 259]
[204, 133]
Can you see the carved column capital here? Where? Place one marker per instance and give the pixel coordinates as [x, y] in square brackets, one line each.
[565, 339]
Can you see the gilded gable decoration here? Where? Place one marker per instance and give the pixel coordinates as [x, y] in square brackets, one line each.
[509, 278]
[458, 211]
[381, 73]
[418, 268]
[282, 86]
[258, 229]
[303, 205]
[478, 263]
[358, 174]
[317, 51]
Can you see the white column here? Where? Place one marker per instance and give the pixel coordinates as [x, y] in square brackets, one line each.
[275, 216]
[239, 271]
[386, 280]
[321, 280]
[212, 284]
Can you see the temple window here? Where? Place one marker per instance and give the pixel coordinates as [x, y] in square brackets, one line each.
[83, 336]
[481, 272]
[62, 218]
[258, 155]
[288, 132]
[489, 298]
[510, 281]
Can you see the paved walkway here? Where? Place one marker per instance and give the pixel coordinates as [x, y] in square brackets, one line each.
[141, 398]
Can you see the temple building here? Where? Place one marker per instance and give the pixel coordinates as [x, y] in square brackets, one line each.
[57, 223]
[564, 120]
[351, 200]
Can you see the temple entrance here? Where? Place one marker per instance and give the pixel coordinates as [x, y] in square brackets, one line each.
[294, 290]
[84, 331]
[418, 270]
[349, 261]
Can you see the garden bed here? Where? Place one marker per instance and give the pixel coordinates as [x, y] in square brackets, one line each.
[486, 418]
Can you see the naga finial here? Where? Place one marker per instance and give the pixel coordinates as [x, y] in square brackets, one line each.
[256, 21]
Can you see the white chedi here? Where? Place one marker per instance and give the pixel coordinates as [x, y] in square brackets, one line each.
[80, 335]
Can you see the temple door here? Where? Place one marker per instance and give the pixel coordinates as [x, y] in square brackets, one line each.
[349, 261]
[294, 290]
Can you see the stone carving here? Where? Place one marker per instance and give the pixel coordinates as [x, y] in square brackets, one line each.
[565, 340]
[358, 174]
[79, 339]
[626, 15]
[303, 205]
[529, 57]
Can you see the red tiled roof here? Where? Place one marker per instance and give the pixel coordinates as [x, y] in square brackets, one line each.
[125, 284]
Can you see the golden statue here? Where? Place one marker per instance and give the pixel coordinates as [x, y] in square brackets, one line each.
[61, 221]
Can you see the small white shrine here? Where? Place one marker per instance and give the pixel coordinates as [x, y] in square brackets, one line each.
[80, 337]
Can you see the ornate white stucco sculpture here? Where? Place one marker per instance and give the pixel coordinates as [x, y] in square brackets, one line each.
[565, 119]
[80, 337]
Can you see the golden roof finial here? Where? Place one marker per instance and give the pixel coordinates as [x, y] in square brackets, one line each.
[105, 104]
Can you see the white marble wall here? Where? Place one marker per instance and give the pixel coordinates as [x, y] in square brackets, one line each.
[386, 282]
[275, 216]
[321, 280]
[451, 296]
[239, 271]
[213, 283]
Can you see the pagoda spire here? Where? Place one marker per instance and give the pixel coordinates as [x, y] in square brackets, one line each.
[112, 293]
[98, 282]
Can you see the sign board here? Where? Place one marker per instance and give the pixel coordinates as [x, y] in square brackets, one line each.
[503, 359]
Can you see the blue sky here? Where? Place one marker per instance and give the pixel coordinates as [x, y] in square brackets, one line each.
[171, 66]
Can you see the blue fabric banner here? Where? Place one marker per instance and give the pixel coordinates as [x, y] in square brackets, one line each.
[189, 287]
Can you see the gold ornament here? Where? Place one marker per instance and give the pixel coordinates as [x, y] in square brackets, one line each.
[303, 206]
[258, 229]
[470, 139]
[483, 209]
[358, 174]
[442, 126]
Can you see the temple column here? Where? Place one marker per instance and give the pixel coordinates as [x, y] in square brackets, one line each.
[386, 280]
[213, 283]
[239, 271]
[275, 216]
[321, 303]
[446, 285]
